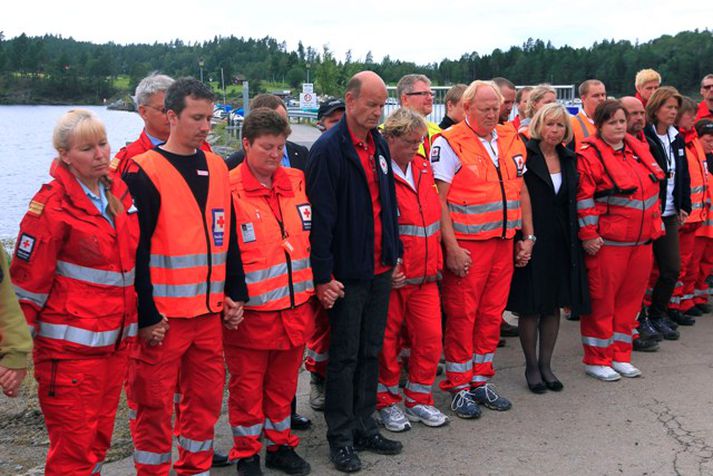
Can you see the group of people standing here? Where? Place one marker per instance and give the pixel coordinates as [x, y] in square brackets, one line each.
[386, 245]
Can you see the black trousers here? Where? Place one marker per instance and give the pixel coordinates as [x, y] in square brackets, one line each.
[356, 335]
[668, 259]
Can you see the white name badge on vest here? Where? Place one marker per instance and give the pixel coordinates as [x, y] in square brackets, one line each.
[384, 166]
[305, 211]
[520, 164]
[218, 226]
[247, 230]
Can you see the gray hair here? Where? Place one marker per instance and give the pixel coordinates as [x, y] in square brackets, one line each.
[150, 85]
[406, 83]
[404, 121]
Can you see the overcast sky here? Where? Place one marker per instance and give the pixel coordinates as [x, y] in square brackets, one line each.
[417, 31]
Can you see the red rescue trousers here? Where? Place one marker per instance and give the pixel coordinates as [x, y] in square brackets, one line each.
[262, 386]
[703, 259]
[78, 399]
[474, 307]
[617, 283]
[318, 345]
[418, 308]
[683, 299]
[193, 348]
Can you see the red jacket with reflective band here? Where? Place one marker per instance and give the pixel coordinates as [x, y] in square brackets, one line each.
[122, 164]
[419, 224]
[582, 129]
[275, 251]
[73, 271]
[618, 195]
[698, 170]
[484, 200]
[188, 248]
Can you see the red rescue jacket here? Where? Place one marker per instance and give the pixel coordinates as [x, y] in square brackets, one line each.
[618, 195]
[74, 272]
[419, 224]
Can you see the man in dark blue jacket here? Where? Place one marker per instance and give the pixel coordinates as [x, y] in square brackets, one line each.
[355, 247]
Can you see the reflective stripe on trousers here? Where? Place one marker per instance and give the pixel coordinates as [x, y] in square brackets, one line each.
[594, 342]
[194, 446]
[77, 335]
[150, 458]
[381, 388]
[483, 358]
[459, 367]
[417, 388]
[620, 337]
[279, 425]
[95, 276]
[253, 430]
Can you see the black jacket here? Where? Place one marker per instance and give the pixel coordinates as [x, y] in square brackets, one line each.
[342, 235]
[297, 153]
[551, 214]
[682, 185]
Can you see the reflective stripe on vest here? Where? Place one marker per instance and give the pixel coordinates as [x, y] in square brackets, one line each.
[420, 231]
[585, 130]
[584, 204]
[35, 298]
[698, 189]
[187, 290]
[588, 220]
[94, 275]
[186, 261]
[630, 203]
[484, 208]
[279, 270]
[77, 335]
[151, 458]
[626, 243]
[491, 226]
[279, 293]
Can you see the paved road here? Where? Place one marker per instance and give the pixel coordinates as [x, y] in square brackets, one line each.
[304, 134]
[659, 424]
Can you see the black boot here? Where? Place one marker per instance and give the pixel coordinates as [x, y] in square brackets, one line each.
[680, 319]
[220, 460]
[645, 345]
[286, 460]
[249, 466]
[662, 327]
[693, 312]
[704, 308]
[647, 330]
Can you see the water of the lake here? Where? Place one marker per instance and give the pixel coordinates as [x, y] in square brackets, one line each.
[26, 152]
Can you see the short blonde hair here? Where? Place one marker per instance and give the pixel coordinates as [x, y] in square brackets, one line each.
[646, 76]
[537, 93]
[472, 89]
[76, 123]
[404, 121]
[557, 111]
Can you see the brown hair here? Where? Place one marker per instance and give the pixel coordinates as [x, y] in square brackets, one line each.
[263, 121]
[658, 99]
[606, 111]
[82, 124]
[269, 101]
[687, 105]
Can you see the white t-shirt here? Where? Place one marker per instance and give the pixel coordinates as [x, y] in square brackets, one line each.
[445, 162]
[408, 175]
[557, 181]
[666, 140]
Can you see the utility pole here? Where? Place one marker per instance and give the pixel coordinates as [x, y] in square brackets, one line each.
[222, 80]
[201, 63]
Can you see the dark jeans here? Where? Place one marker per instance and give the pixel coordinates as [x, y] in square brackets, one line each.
[668, 259]
[357, 324]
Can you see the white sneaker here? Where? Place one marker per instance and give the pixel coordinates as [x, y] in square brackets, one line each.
[602, 372]
[626, 369]
[426, 414]
[393, 419]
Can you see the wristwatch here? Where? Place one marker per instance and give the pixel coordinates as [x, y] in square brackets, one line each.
[532, 238]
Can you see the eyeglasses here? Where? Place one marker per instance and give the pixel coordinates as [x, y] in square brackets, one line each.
[707, 86]
[421, 93]
[161, 109]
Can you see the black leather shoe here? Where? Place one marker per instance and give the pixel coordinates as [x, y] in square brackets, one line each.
[508, 330]
[645, 345]
[501, 342]
[667, 318]
[220, 460]
[680, 319]
[538, 388]
[376, 443]
[299, 422]
[555, 385]
[704, 308]
[345, 459]
[286, 460]
[249, 466]
[662, 326]
[647, 330]
[693, 312]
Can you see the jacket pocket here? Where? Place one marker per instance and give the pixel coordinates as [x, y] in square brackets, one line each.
[594, 274]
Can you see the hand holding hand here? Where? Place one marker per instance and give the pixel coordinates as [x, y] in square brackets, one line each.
[155, 334]
[398, 278]
[458, 261]
[328, 293]
[233, 313]
[10, 380]
[592, 247]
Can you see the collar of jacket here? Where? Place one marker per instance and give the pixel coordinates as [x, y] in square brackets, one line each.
[280, 183]
[538, 166]
[349, 150]
[74, 192]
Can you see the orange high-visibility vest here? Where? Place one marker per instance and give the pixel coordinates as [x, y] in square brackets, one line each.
[698, 170]
[706, 228]
[484, 200]
[582, 129]
[188, 248]
[275, 253]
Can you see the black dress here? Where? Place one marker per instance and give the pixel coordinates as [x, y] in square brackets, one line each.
[555, 277]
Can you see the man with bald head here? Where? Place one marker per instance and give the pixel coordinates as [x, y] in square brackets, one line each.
[355, 248]
[478, 165]
[636, 120]
[593, 93]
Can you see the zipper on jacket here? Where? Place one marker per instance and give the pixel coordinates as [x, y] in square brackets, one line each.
[643, 208]
[425, 231]
[288, 259]
[505, 203]
[209, 255]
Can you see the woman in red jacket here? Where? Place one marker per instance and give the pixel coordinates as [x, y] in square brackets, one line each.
[619, 217]
[73, 272]
[414, 303]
